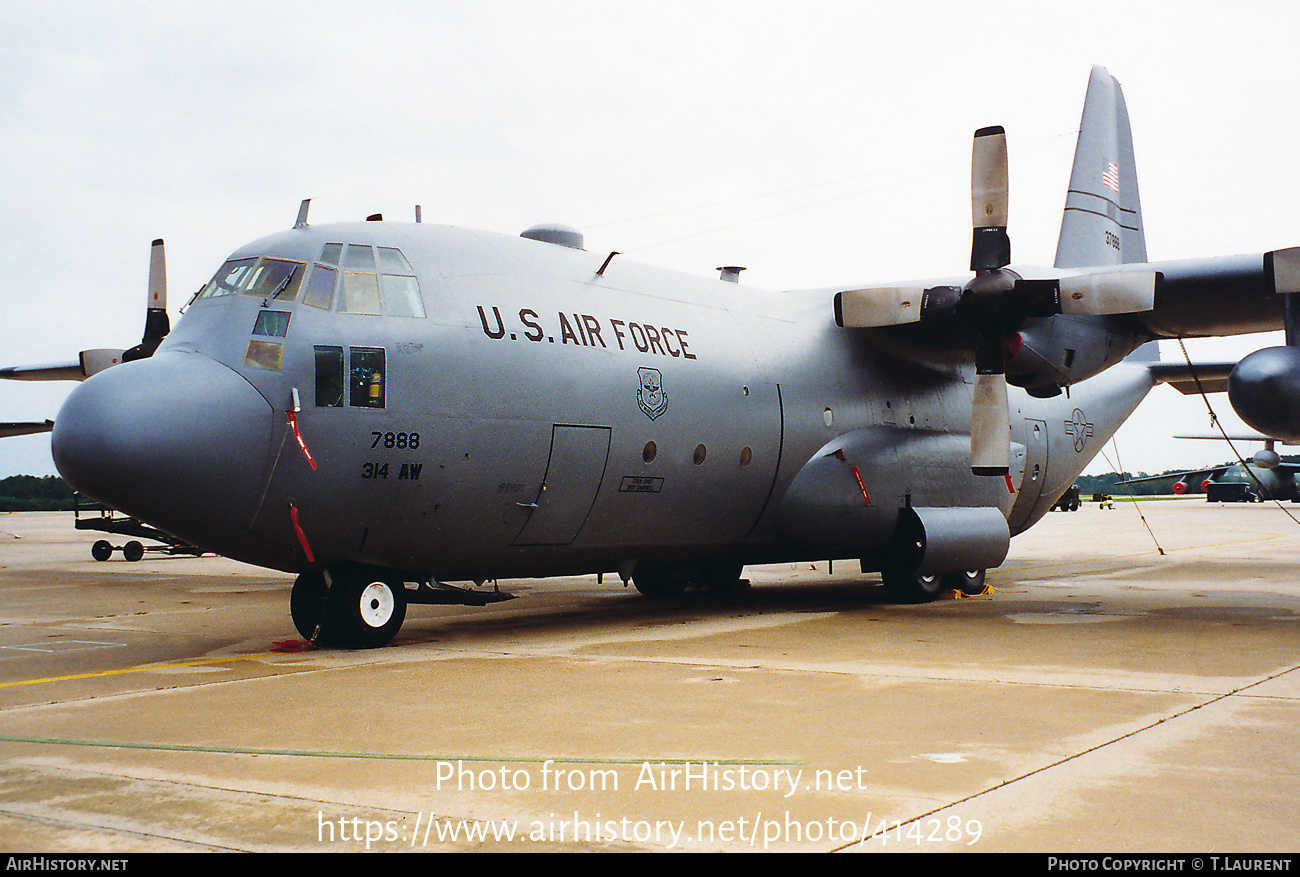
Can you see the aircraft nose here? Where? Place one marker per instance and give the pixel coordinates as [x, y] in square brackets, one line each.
[177, 440]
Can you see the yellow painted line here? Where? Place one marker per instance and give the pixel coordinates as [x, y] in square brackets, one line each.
[144, 669]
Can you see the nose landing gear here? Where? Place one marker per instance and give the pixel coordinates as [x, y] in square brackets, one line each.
[358, 608]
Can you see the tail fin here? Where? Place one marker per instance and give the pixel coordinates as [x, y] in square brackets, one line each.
[1102, 224]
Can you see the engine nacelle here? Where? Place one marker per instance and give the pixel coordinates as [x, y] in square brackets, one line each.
[1264, 389]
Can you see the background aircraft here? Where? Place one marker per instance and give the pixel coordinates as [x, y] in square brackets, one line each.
[1264, 477]
[383, 406]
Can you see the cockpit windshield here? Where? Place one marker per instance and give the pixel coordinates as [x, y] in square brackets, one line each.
[274, 279]
[348, 278]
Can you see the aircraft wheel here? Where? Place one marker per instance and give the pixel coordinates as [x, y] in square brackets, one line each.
[101, 550]
[970, 582]
[366, 609]
[657, 582]
[911, 587]
[133, 551]
[307, 602]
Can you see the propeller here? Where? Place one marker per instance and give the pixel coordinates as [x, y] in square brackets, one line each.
[156, 322]
[996, 302]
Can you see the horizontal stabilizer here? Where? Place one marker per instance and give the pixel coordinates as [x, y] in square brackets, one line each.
[1200, 377]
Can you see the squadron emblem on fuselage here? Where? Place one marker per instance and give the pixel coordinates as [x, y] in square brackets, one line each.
[650, 393]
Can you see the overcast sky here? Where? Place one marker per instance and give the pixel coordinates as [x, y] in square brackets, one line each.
[818, 144]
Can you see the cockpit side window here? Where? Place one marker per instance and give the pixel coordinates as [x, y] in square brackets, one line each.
[329, 377]
[366, 367]
[360, 293]
[401, 291]
[320, 289]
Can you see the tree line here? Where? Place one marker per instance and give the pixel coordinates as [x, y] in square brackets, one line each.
[30, 493]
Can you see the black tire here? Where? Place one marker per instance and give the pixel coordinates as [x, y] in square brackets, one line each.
[307, 603]
[911, 587]
[101, 550]
[970, 582]
[365, 609]
[659, 582]
[133, 551]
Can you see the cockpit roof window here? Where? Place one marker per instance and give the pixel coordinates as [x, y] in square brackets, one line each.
[391, 261]
[331, 254]
[360, 257]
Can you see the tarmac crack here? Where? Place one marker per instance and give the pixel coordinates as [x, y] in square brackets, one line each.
[1129, 735]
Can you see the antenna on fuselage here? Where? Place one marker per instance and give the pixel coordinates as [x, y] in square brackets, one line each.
[418, 218]
[301, 221]
[605, 264]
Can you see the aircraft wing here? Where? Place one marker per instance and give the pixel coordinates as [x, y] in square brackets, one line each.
[12, 429]
[1232, 295]
[1190, 476]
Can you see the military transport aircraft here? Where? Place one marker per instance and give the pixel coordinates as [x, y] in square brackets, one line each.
[1264, 477]
[382, 407]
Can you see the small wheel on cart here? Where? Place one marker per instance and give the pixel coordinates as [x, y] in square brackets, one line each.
[101, 550]
[133, 551]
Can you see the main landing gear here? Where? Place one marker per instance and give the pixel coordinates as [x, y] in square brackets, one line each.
[913, 587]
[662, 581]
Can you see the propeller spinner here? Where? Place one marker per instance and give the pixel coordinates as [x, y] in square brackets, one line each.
[996, 302]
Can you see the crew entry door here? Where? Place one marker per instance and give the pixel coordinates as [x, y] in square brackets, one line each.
[573, 476]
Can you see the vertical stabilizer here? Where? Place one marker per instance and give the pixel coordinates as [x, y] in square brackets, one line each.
[1102, 224]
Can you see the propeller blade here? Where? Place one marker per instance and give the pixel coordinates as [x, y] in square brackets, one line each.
[1286, 269]
[156, 322]
[9, 430]
[990, 247]
[1124, 292]
[990, 426]
[882, 306]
